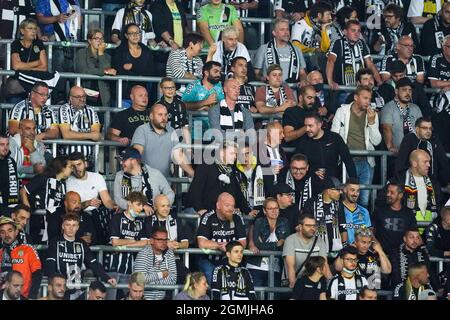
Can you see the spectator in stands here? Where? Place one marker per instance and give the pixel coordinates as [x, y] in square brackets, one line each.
[274, 97]
[56, 287]
[312, 285]
[325, 99]
[252, 178]
[61, 22]
[341, 70]
[214, 17]
[391, 218]
[415, 68]
[367, 293]
[157, 141]
[364, 77]
[437, 239]
[212, 179]
[78, 121]
[13, 286]
[126, 229]
[136, 176]
[343, 15]
[346, 284]
[96, 291]
[195, 287]
[434, 31]
[94, 60]
[27, 55]
[136, 286]
[29, 154]
[228, 48]
[312, 34]
[419, 13]
[9, 191]
[125, 123]
[397, 116]
[185, 62]
[135, 13]
[418, 280]
[276, 51]
[227, 115]
[223, 284]
[331, 146]
[72, 206]
[268, 233]
[397, 70]
[356, 216]
[46, 191]
[239, 72]
[424, 139]
[157, 263]
[67, 254]
[357, 124]
[132, 58]
[34, 108]
[439, 66]
[217, 228]
[19, 257]
[304, 184]
[422, 191]
[394, 28]
[12, 13]
[301, 245]
[410, 252]
[293, 11]
[21, 216]
[328, 213]
[244, 8]
[94, 195]
[372, 261]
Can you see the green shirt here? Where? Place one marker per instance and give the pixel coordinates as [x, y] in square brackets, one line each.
[218, 18]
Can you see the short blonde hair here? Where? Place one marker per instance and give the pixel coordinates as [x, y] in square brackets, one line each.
[230, 30]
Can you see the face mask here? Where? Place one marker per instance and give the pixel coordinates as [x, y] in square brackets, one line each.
[349, 271]
[318, 87]
[133, 213]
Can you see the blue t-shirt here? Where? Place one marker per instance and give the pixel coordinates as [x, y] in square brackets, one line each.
[43, 7]
[355, 220]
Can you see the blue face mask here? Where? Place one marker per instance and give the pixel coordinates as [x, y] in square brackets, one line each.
[349, 271]
[133, 213]
[318, 87]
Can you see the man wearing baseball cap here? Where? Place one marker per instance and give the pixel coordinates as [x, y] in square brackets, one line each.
[19, 257]
[136, 176]
[328, 211]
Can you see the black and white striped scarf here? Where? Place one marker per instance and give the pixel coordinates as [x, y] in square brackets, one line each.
[170, 224]
[228, 121]
[333, 241]
[307, 189]
[54, 195]
[137, 15]
[65, 31]
[273, 58]
[407, 119]
[12, 198]
[353, 61]
[411, 192]
[146, 186]
[271, 100]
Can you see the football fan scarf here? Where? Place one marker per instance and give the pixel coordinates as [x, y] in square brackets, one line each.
[146, 187]
[353, 61]
[412, 194]
[319, 214]
[271, 101]
[307, 189]
[404, 261]
[227, 121]
[8, 172]
[407, 123]
[138, 15]
[65, 31]
[256, 182]
[273, 58]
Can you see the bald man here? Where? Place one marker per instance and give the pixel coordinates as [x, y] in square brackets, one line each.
[79, 122]
[422, 193]
[227, 115]
[217, 228]
[72, 205]
[125, 123]
[28, 153]
[156, 143]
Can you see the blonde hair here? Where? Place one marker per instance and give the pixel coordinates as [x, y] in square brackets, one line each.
[192, 279]
[229, 31]
[137, 278]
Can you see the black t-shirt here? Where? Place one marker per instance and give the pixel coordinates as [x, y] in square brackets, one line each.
[246, 97]
[294, 117]
[439, 68]
[368, 264]
[390, 226]
[305, 289]
[128, 121]
[28, 54]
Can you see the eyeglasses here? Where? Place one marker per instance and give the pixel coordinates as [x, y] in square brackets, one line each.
[351, 260]
[296, 169]
[161, 239]
[427, 128]
[169, 88]
[407, 45]
[79, 97]
[43, 95]
[134, 33]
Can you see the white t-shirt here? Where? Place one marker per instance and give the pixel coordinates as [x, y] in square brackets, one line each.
[88, 188]
[422, 194]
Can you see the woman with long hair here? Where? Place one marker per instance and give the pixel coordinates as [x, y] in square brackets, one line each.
[195, 287]
[312, 285]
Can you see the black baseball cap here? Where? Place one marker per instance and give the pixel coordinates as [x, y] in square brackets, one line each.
[280, 188]
[403, 82]
[129, 153]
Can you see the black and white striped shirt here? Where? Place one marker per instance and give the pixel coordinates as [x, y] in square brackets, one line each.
[80, 120]
[152, 266]
[178, 64]
[24, 110]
